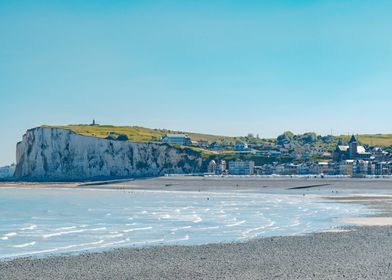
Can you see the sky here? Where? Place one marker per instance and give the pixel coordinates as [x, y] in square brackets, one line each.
[220, 67]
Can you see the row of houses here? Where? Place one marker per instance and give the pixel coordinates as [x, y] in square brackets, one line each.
[345, 168]
[351, 160]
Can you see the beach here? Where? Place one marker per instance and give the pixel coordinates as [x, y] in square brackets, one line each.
[359, 251]
[362, 253]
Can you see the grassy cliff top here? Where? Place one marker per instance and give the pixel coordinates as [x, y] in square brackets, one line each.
[137, 133]
[142, 134]
[382, 140]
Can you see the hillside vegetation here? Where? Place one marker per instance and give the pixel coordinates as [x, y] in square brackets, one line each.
[142, 134]
[382, 140]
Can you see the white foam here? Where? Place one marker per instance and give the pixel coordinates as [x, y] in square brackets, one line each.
[236, 224]
[165, 216]
[295, 224]
[32, 253]
[31, 227]
[65, 228]
[271, 223]
[136, 229]
[115, 235]
[181, 228]
[71, 232]
[80, 245]
[245, 233]
[208, 228]
[185, 238]
[25, 245]
[130, 224]
[62, 233]
[97, 229]
[115, 243]
[11, 234]
[196, 219]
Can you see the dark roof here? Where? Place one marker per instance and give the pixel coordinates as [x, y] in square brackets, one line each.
[353, 139]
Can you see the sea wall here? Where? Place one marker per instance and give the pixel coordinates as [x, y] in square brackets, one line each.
[53, 154]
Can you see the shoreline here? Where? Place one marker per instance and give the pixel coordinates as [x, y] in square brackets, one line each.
[348, 252]
[196, 178]
[166, 182]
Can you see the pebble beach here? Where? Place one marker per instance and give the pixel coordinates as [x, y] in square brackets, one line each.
[360, 251]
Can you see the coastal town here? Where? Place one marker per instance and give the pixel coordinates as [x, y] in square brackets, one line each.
[287, 158]
[288, 154]
[190, 139]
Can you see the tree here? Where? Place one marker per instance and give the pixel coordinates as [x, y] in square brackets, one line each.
[309, 138]
[285, 138]
[122, 137]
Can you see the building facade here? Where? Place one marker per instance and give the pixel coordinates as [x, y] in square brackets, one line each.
[241, 167]
[177, 139]
[351, 152]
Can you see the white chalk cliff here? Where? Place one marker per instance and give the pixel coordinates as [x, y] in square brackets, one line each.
[59, 154]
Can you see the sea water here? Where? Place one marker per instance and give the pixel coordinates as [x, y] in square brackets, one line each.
[37, 222]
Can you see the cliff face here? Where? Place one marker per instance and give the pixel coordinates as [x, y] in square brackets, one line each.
[58, 154]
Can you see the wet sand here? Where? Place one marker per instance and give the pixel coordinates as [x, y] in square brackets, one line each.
[358, 252]
[183, 183]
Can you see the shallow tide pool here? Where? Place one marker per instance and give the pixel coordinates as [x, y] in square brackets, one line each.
[36, 222]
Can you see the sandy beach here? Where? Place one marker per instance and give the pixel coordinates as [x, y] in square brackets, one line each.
[360, 251]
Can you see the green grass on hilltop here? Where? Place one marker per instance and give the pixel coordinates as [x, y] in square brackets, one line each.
[137, 133]
[376, 139]
[134, 133]
[142, 134]
[381, 140]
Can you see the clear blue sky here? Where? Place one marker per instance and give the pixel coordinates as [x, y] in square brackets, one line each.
[223, 67]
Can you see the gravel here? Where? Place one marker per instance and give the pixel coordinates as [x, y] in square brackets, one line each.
[361, 253]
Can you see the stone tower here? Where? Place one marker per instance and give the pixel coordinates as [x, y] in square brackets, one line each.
[353, 148]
